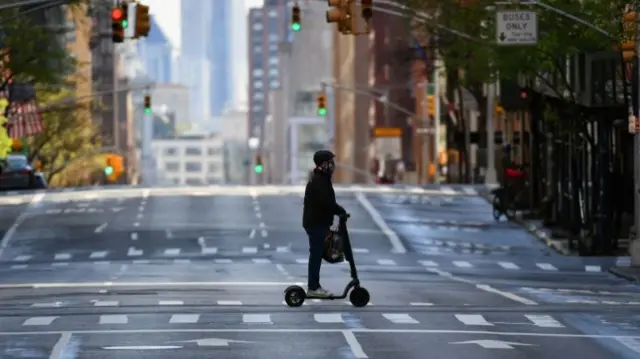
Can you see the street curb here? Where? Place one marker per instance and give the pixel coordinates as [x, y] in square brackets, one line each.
[533, 230]
[620, 274]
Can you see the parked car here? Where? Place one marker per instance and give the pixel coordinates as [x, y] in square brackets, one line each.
[17, 174]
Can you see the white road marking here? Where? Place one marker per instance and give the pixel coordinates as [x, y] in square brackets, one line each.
[399, 318]
[593, 268]
[428, 263]
[356, 348]
[172, 251]
[133, 252]
[182, 261]
[22, 258]
[58, 350]
[170, 302]
[420, 304]
[113, 319]
[19, 266]
[100, 254]
[302, 260]
[134, 236]
[446, 190]
[546, 266]
[222, 261]
[184, 318]
[100, 228]
[396, 242]
[229, 302]
[631, 343]
[470, 191]
[282, 249]
[252, 233]
[60, 264]
[508, 265]
[462, 264]
[545, 321]
[62, 256]
[261, 260]
[257, 318]
[39, 321]
[360, 250]
[473, 319]
[328, 318]
[386, 262]
[264, 233]
[249, 250]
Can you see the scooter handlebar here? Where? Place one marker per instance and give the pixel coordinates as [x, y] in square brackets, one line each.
[345, 216]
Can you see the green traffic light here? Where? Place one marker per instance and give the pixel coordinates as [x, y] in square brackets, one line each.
[322, 112]
[125, 24]
[258, 169]
[108, 170]
[147, 111]
[296, 26]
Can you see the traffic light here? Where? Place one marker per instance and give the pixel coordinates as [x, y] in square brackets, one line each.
[629, 36]
[119, 16]
[258, 165]
[321, 104]
[147, 104]
[431, 105]
[367, 9]
[340, 13]
[114, 167]
[295, 18]
[143, 21]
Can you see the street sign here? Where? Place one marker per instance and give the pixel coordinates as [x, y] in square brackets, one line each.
[387, 132]
[516, 27]
[494, 344]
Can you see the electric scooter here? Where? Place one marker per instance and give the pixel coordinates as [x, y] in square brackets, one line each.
[359, 297]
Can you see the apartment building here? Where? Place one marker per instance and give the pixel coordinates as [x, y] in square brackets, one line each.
[189, 160]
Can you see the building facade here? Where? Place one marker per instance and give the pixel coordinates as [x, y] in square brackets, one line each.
[268, 29]
[189, 160]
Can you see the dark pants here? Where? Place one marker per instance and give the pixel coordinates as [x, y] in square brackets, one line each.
[317, 235]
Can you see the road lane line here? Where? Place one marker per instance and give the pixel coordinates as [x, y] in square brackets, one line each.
[99, 254]
[473, 319]
[170, 302]
[328, 318]
[100, 228]
[508, 265]
[630, 343]
[356, 348]
[400, 318]
[257, 318]
[39, 321]
[544, 321]
[546, 266]
[396, 242]
[57, 351]
[148, 284]
[184, 318]
[113, 319]
[8, 235]
[483, 287]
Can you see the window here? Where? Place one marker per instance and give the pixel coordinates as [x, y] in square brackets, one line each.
[273, 72]
[258, 72]
[274, 84]
[214, 167]
[213, 180]
[172, 166]
[257, 50]
[273, 13]
[257, 27]
[273, 48]
[170, 151]
[213, 151]
[193, 167]
[193, 151]
[274, 61]
[274, 38]
[193, 181]
[257, 84]
[258, 96]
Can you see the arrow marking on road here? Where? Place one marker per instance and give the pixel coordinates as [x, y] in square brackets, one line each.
[144, 347]
[494, 344]
[215, 342]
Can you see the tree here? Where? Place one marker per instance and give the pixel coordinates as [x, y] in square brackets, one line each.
[5, 141]
[68, 137]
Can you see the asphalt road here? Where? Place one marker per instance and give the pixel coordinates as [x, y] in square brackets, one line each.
[200, 272]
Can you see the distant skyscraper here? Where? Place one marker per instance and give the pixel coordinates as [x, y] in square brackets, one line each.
[155, 54]
[237, 54]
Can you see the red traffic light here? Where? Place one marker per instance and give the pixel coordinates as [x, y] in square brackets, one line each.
[117, 14]
[523, 95]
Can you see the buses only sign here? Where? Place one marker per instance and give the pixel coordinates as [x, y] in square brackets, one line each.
[517, 27]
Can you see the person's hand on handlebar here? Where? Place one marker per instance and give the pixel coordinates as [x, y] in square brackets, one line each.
[344, 215]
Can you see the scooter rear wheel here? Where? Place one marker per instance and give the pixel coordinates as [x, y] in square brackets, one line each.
[294, 296]
[359, 297]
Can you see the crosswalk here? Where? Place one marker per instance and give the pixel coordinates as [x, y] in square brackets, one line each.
[364, 319]
[253, 255]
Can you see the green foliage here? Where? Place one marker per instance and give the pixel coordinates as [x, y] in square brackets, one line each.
[69, 135]
[37, 52]
[5, 141]
[559, 37]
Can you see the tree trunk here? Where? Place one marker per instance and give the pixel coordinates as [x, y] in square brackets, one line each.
[464, 151]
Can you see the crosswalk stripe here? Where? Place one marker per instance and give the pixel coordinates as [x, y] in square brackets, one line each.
[261, 260]
[229, 302]
[170, 302]
[428, 263]
[462, 264]
[282, 249]
[184, 318]
[249, 250]
[257, 318]
[105, 303]
[302, 261]
[62, 256]
[209, 250]
[172, 251]
[360, 250]
[100, 254]
[386, 262]
[470, 191]
[22, 258]
[447, 190]
[593, 268]
[508, 265]
[420, 304]
[133, 252]
[113, 319]
[546, 266]
[39, 321]
[400, 318]
[472, 319]
[545, 321]
[328, 318]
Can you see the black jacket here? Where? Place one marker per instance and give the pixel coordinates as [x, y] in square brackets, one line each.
[320, 202]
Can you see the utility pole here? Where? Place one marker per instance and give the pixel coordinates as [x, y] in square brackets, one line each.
[436, 124]
[490, 177]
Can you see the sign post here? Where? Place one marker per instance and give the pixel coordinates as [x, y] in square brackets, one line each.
[516, 27]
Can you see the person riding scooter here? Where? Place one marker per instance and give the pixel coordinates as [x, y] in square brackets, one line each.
[320, 207]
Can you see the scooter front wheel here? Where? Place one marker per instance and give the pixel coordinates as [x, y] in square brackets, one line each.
[294, 296]
[359, 297]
